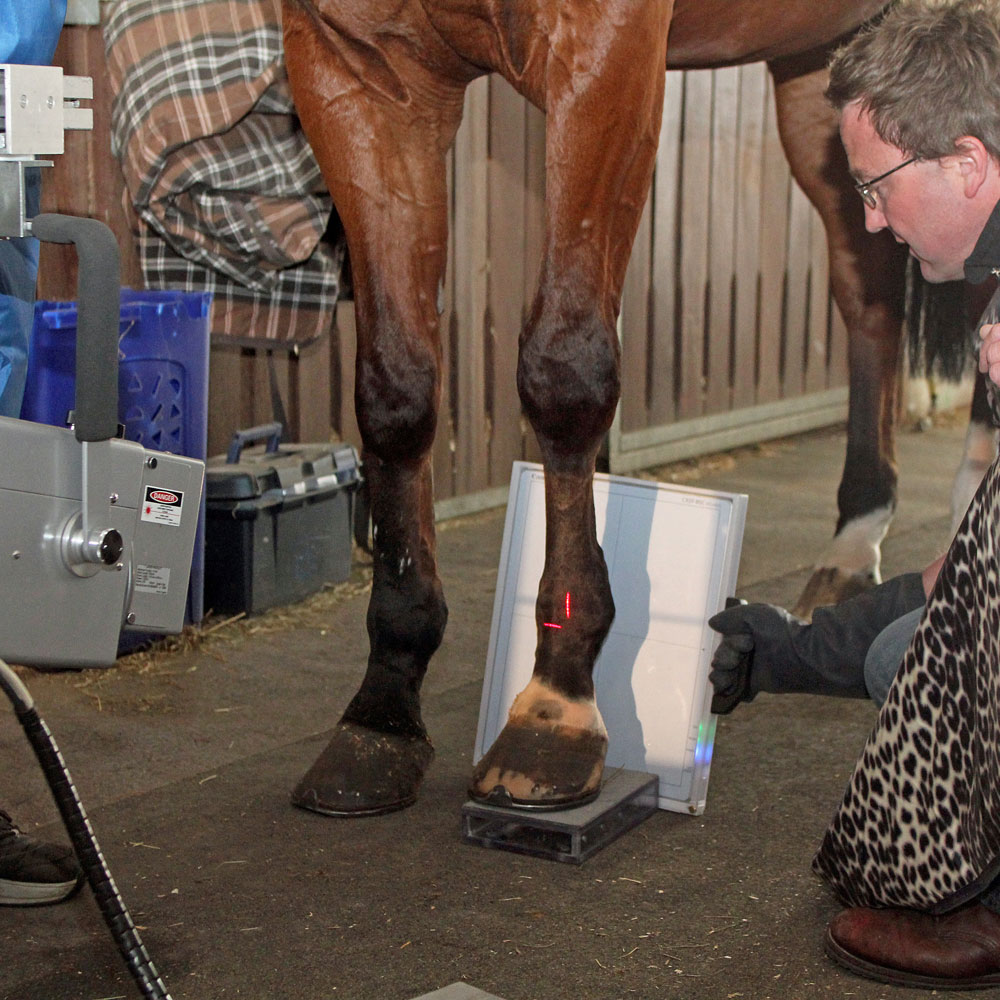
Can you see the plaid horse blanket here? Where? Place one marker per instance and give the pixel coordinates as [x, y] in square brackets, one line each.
[221, 177]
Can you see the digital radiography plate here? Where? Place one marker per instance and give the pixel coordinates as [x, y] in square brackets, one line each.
[673, 556]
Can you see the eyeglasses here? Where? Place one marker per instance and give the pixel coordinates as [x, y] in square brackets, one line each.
[864, 188]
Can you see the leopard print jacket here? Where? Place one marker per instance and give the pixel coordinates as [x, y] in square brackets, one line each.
[919, 825]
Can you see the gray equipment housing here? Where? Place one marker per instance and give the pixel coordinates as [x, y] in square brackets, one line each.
[96, 533]
[60, 609]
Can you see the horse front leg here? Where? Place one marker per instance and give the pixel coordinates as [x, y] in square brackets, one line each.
[384, 161]
[380, 750]
[551, 752]
[867, 277]
[601, 135]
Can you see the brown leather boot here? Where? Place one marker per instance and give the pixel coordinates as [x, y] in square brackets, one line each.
[958, 951]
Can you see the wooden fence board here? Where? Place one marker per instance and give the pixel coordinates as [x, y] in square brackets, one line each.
[471, 230]
[818, 322]
[722, 237]
[795, 321]
[443, 456]
[773, 259]
[695, 207]
[752, 113]
[507, 267]
[662, 350]
[534, 239]
[635, 322]
[342, 356]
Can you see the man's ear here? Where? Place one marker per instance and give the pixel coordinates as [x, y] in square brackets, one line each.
[974, 162]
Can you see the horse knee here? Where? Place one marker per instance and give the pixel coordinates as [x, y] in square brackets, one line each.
[396, 398]
[568, 378]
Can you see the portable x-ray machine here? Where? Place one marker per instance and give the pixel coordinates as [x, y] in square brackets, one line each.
[96, 533]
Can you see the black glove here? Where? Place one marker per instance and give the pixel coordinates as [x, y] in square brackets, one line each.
[764, 648]
[744, 627]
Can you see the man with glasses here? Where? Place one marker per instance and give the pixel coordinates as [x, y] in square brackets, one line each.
[914, 848]
[867, 188]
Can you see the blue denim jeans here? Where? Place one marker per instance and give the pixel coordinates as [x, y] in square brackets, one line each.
[885, 654]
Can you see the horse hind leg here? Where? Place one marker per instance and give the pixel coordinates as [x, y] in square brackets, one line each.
[385, 166]
[601, 144]
[867, 280]
[978, 453]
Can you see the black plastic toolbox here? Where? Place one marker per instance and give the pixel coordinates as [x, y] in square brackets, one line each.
[278, 520]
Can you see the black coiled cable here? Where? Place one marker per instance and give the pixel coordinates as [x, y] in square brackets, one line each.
[116, 916]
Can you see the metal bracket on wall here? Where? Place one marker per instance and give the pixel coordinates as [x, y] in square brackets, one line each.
[83, 12]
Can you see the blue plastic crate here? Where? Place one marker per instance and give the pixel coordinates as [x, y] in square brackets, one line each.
[163, 344]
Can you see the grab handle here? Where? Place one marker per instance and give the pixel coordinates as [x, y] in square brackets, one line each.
[271, 433]
[98, 295]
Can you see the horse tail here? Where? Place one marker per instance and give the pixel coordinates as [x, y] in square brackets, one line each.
[940, 332]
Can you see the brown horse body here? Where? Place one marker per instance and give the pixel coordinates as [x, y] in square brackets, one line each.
[379, 85]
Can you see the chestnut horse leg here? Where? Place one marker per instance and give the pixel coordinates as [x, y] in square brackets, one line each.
[383, 158]
[981, 437]
[867, 275]
[603, 114]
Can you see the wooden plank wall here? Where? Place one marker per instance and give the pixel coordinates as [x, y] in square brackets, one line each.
[727, 303]
[725, 307]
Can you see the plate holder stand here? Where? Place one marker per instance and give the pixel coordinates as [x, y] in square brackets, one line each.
[572, 835]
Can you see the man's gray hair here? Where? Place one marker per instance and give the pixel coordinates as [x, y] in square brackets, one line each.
[928, 73]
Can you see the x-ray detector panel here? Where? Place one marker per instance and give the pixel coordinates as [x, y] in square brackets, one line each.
[673, 556]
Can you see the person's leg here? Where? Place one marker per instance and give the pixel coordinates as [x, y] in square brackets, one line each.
[33, 872]
[886, 652]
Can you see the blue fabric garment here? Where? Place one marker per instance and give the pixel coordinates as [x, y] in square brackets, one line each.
[29, 30]
[18, 272]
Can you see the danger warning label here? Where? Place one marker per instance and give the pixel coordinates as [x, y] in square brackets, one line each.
[162, 506]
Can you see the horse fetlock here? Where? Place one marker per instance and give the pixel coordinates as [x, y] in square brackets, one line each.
[408, 619]
[567, 663]
[856, 548]
[388, 700]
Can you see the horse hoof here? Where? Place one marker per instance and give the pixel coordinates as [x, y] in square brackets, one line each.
[550, 755]
[829, 585]
[364, 773]
[534, 768]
